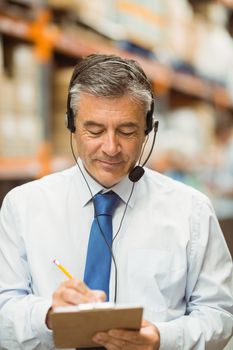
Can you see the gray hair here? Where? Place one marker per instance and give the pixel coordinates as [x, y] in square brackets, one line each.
[109, 76]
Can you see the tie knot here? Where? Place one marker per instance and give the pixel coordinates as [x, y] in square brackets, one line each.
[105, 204]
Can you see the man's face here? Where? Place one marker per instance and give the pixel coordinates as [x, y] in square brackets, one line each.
[109, 136]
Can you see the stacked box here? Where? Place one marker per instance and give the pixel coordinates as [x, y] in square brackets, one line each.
[213, 52]
[138, 21]
[61, 4]
[144, 21]
[60, 134]
[102, 16]
[1, 57]
[180, 36]
[20, 124]
[7, 118]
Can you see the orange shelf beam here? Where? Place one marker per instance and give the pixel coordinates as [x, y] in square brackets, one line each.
[18, 168]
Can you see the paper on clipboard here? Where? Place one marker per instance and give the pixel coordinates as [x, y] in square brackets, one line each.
[75, 326]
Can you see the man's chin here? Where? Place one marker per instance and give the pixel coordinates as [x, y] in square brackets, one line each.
[107, 179]
[108, 183]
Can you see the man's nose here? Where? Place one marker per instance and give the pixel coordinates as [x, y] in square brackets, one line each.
[111, 144]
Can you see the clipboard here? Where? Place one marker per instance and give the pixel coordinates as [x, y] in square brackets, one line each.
[74, 326]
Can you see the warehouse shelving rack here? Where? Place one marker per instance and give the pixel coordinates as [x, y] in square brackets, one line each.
[48, 38]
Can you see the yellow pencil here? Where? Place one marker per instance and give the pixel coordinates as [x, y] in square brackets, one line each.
[56, 262]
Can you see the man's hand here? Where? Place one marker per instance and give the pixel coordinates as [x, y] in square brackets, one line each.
[74, 292]
[148, 338]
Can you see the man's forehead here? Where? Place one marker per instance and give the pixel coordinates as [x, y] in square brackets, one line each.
[123, 123]
[90, 104]
[85, 97]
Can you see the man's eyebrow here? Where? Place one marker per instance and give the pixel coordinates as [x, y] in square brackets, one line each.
[92, 123]
[128, 125]
[89, 123]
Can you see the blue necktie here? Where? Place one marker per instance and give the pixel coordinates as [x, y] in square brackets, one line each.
[98, 261]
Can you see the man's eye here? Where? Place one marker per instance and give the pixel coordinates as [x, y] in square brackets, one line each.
[95, 132]
[126, 133]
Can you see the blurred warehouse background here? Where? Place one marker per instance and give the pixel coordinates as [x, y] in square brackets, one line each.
[185, 47]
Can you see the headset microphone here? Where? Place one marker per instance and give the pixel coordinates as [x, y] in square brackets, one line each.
[136, 174]
[138, 171]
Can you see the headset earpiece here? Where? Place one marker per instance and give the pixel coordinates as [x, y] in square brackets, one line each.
[69, 120]
[150, 119]
[69, 116]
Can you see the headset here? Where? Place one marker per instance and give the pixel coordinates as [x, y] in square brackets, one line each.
[70, 117]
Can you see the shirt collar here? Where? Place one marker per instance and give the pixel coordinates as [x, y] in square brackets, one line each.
[123, 188]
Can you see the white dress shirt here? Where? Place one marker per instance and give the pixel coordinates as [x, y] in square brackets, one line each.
[221, 176]
[170, 255]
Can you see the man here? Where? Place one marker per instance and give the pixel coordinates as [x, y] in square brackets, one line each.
[167, 252]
